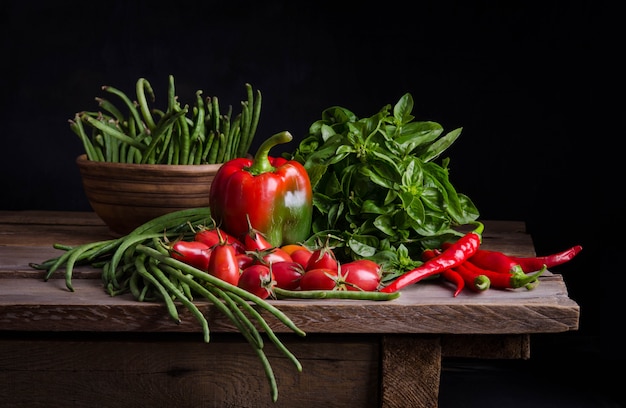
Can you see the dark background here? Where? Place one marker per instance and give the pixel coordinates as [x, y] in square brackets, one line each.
[534, 87]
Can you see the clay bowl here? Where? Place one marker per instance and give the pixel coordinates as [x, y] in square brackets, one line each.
[125, 196]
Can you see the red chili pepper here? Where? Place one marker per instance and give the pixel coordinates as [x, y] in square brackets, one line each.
[476, 282]
[495, 261]
[530, 264]
[275, 193]
[510, 280]
[456, 254]
[449, 274]
[453, 276]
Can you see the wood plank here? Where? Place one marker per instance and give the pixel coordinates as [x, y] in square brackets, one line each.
[161, 371]
[29, 304]
[411, 371]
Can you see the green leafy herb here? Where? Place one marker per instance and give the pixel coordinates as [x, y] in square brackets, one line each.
[377, 188]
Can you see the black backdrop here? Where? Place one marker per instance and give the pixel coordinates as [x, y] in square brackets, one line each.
[528, 84]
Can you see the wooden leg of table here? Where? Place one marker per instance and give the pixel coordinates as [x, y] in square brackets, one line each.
[411, 371]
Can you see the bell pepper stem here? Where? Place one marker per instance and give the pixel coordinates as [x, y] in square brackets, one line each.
[261, 162]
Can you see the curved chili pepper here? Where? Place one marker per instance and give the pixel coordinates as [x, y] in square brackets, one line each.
[454, 255]
[511, 280]
[476, 282]
[449, 274]
[529, 264]
[495, 261]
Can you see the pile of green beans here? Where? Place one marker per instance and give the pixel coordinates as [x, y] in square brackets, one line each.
[201, 134]
[139, 263]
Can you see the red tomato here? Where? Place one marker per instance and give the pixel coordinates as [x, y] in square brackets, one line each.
[258, 280]
[244, 260]
[287, 274]
[270, 255]
[194, 253]
[301, 256]
[323, 258]
[361, 274]
[223, 263]
[254, 240]
[319, 279]
[211, 237]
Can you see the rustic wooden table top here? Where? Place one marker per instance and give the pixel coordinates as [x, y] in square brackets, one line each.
[27, 303]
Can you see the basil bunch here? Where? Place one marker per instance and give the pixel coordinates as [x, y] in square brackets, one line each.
[377, 191]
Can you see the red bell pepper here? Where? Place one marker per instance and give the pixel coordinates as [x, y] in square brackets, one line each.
[272, 192]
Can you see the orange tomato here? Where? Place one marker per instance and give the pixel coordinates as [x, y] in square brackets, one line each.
[291, 248]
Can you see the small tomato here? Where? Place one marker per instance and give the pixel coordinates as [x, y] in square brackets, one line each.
[287, 274]
[194, 253]
[258, 280]
[301, 256]
[361, 274]
[223, 263]
[319, 279]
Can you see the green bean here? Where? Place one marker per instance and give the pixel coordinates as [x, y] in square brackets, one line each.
[268, 330]
[112, 109]
[131, 106]
[209, 147]
[160, 276]
[222, 148]
[199, 115]
[141, 88]
[77, 126]
[171, 306]
[242, 322]
[250, 130]
[197, 273]
[75, 254]
[215, 114]
[126, 244]
[334, 294]
[113, 132]
[166, 122]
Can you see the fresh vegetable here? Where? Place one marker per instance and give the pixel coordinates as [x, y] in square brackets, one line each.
[334, 294]
[453, 276]
[269, 256]
[478, 282]
[377, 187]
[449, 275]
[223, 263]
[504, 280]
[271, 194]
[322, 257]
[257, 279]
[193, 253]
[319, 279]
[456, 254]
[361, 274]
[302, 256]
[495, 261]
[172, 134]
[287, 274]
[530, 264]
[254, 240]
[212, 236]
[291, 248]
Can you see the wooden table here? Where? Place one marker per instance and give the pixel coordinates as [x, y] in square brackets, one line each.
[86, 348]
